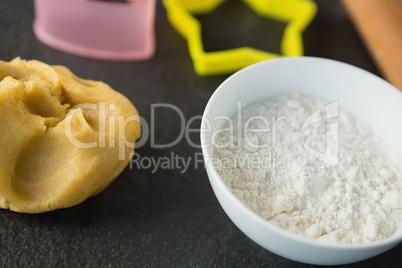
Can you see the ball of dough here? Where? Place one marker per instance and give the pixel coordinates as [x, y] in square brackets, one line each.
[62, 138]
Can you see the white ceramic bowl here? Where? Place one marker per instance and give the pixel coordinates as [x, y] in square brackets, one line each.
[363, 94]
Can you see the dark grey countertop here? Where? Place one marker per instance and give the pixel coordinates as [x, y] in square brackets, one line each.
[166, 218]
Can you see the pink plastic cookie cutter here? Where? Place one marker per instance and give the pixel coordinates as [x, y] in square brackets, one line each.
[95, 29]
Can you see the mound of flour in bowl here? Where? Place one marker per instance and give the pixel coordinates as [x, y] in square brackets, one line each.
[314, 171]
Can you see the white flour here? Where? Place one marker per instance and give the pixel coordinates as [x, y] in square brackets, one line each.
[359, 200]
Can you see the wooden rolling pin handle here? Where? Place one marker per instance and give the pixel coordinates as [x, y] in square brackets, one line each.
[380, 25]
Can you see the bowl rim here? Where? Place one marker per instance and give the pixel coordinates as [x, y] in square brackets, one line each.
[254, 216]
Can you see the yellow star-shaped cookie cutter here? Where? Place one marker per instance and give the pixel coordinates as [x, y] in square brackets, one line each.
[297, 13]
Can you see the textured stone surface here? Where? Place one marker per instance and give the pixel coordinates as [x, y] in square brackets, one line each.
[165, 219]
